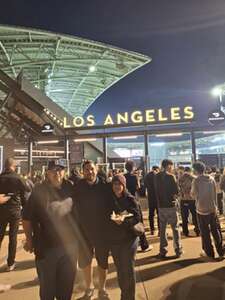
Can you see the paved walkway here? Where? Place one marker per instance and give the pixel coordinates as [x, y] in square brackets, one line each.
[187, 278]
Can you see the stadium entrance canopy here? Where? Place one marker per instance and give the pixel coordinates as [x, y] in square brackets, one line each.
[72, 71]
[45, 77]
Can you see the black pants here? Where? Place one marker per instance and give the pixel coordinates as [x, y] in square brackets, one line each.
[13, 222]
[210, 224]
[186, 207]
[56, 273]
[220, 202]
[143, 240]
[124, 258]
[153, 209]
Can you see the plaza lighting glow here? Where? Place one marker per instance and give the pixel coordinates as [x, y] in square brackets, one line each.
[48, 142]
[217, 91]
[124, 137]
[169, 134]
[85, 140]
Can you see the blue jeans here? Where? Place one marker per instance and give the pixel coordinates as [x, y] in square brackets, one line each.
[56, 273]
[124, 258]
[169, 216]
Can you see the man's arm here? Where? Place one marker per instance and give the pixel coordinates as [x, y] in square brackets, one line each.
[214, 193]
[28, 230]
[194, 189]
[174, 185]
[138, 185]
[28, 215]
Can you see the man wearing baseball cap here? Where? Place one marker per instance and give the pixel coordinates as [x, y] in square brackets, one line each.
[51, 233]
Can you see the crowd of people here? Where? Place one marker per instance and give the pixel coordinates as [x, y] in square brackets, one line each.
[69, 221]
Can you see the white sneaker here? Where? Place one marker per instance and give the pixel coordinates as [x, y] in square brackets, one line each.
[4, 287]
[150, 247]
[11, 268]
[206, 257]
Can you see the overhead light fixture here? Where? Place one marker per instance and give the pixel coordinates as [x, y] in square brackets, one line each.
[125, 137]
[169, 134]
[85, 140]
[48, 142]
[92, 68]
[39, 151]
[212, 132]
[217, 91]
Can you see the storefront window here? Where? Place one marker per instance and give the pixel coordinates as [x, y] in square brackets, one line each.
[174, 146]
[210, 148]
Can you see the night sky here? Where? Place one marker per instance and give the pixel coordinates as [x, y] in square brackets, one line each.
[186, 40]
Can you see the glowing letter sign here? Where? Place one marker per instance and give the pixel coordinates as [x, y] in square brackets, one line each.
[149, 116]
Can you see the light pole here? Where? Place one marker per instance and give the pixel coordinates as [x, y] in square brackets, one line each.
[218, 92]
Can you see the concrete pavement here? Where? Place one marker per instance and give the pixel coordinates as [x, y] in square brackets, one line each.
[186, 278]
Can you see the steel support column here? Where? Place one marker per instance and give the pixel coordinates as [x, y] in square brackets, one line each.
[105, 158]
[30, 155]
[146, 158]
[66, 152]
[193, 147]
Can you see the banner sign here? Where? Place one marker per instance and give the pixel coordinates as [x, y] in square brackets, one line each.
[216, 117]
[47, 128]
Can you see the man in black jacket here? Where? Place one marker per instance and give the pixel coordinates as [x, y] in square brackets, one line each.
[150, 185]
[132, 187]
[14, 186]
[90, 210]
[51, 233]
[167, 190]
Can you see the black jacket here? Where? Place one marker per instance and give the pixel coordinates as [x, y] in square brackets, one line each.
[90, 209]
[131, 183]
[120, 233]
[166, 189]
[49, 230]
[150, 185]
[11, 182]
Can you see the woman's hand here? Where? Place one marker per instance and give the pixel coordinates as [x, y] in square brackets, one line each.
[3, 198]
[118, 219]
